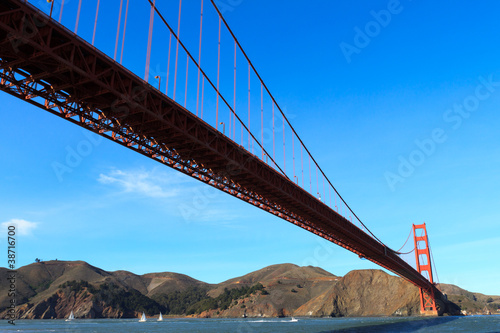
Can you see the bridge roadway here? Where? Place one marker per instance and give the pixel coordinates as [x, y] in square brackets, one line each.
[45, 64]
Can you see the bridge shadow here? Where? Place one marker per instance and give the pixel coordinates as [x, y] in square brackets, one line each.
[399, 325]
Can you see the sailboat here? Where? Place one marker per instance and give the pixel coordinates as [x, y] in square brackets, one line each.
[160, 318]
[143, 318]
[71, 316]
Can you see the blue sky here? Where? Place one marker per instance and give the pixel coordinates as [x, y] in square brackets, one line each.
[405, 127]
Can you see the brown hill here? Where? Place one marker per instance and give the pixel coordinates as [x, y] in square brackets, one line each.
[307, 291]
[52, 289]
[39, 291]
[167, 282]
[365, 293]
[39, 280]
[282, 274]
[288, 287]
[470, 302]
[23, 290]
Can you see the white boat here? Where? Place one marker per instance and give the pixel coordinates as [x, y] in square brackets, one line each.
[293, 319]
[143, 318]
[160, 318]
[71, 316]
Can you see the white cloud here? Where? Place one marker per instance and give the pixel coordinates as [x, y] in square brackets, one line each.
[23, 227]
[180, 195]
[148, 183]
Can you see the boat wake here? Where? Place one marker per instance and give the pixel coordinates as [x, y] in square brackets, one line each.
[292, 320]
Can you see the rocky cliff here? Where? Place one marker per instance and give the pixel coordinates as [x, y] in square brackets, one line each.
[365, 293]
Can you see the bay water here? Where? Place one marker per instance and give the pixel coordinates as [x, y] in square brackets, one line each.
[251, 325]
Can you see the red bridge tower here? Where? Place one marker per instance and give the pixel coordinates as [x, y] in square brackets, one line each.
[423, 261]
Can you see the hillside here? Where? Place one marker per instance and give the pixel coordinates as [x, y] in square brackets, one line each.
[53, 289]
[471, 302]
[287, 288]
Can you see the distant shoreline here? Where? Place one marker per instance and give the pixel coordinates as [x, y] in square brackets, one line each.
[152, 318]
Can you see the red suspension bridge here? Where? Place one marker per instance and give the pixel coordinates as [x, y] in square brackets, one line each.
[207, 113]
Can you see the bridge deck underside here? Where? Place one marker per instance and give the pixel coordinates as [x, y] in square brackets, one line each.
[46, 65]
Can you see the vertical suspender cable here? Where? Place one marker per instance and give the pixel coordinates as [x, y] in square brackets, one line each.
[302, 165]
[284, 147]
[317, 180]
[78, 16]
[150, 38]
[199, 59]
[186, 87]
[432, 259]
[168, 60]
[177, 48]
[273, 134]
[335, 197]
[234, 94]
[262, 119]
[229, 111]
[324, 193]
[218, 76]
[293, 154]
[95, 21]
[202, 92]
[241, 142]
[310, 179]
[249, 123]
[60, 13]
[124, 31]
[118, 30]
[51, 7]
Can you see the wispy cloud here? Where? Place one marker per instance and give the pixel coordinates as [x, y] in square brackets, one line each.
[193, 201]
[23, 227]
[148, 183]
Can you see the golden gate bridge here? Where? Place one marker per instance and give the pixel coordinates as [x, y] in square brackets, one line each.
[209, 115]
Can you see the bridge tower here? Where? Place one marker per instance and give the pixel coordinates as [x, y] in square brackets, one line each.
[423, 261]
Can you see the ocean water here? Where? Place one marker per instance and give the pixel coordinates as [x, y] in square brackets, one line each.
[249, 325]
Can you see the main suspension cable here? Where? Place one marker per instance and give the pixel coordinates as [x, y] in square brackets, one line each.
[212, 84]
[288, 122]
[411, 231]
